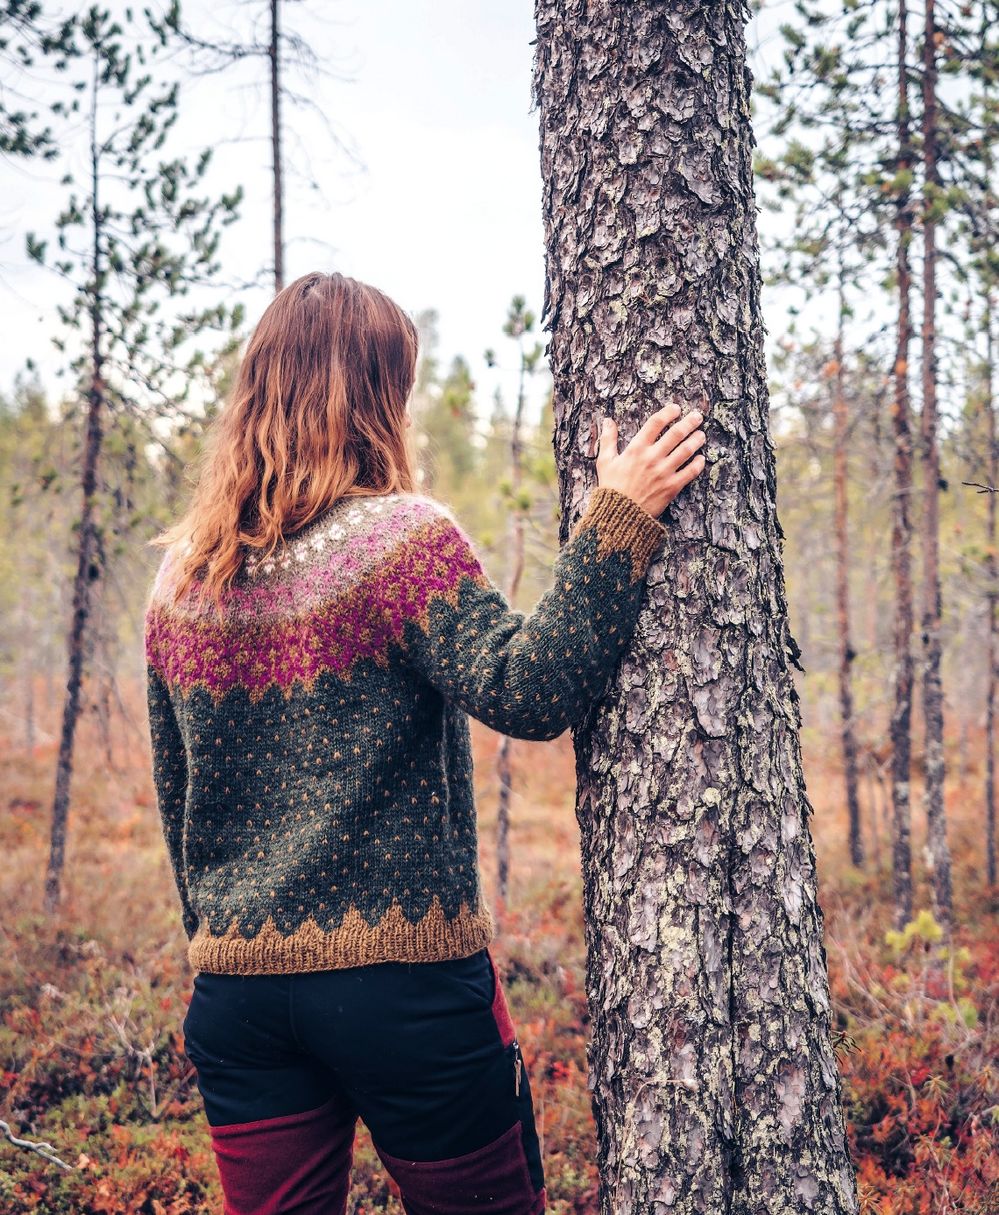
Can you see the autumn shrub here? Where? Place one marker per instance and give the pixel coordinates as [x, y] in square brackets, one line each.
[92, 1001]
[919, 1070]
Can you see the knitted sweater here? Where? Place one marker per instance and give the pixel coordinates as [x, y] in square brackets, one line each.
[311, 751]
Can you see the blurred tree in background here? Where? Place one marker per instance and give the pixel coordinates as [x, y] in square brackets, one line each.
[134, 232]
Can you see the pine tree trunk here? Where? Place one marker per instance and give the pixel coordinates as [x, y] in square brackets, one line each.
[937, 850]
[274, 54]
[504, 755]
[878, 802]
[992, 622]
[87, 571]
[29, 657]
[714, 1084]
[846, 652]
[964, 746]
[991, 534]
[901, 531]
[88, 566]
[29, 711]
[504, 778]
[874, 447]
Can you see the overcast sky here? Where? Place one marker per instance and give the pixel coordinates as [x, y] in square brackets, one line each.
[436, 199]
[444, 210]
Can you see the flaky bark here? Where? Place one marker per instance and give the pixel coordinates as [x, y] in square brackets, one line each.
[715, 1087]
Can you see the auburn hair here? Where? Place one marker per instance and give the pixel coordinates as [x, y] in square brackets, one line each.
[316, 413]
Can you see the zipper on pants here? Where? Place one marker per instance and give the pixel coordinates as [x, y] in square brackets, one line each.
[518, 1063]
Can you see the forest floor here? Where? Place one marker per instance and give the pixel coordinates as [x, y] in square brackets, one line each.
[91, 1050]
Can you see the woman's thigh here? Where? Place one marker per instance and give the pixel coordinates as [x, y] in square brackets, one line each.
[282, 1130]
[428, 1054]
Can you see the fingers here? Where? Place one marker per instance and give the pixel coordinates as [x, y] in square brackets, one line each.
[608, 441]
[688, 472]
[680, 430]
[656, 423]
[684, 449]
[660, 459]
[682, 478]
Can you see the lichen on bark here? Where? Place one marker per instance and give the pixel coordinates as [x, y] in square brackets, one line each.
[715, 1087]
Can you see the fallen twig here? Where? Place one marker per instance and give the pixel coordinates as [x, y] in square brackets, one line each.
[43, 1149]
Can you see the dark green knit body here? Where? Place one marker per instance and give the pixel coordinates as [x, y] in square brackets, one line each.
[311, 752]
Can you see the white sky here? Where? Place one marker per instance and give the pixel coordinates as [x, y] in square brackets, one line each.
[444, 213]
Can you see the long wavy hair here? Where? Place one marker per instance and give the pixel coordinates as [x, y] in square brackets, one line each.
[317, 413]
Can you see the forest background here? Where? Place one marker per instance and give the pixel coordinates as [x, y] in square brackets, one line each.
[92, 994]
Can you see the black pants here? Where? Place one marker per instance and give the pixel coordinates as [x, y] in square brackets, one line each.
[425, 1053]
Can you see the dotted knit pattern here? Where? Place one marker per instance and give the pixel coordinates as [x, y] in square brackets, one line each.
[311, 751]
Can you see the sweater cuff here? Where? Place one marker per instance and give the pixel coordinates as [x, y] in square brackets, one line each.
[622, 524]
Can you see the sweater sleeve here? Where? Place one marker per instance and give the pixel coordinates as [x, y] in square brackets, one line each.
[532, 675]
[170, 779]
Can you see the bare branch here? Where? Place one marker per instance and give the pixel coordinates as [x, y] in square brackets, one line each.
[43, 1149]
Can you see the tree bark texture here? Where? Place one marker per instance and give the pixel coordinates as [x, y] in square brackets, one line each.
[841, 423]
[714, 1084]
[937, 849]
[901, 527]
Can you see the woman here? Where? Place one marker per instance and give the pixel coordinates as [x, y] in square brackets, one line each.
[316, 636]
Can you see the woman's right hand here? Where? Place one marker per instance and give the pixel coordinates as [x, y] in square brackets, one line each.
[657, 463]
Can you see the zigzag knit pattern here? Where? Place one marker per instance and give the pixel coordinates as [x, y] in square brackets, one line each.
[311, 751]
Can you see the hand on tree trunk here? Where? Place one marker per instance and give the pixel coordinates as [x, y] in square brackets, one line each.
[657, 463]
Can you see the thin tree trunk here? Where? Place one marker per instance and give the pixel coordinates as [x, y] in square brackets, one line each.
[102, 707]
[275, 57]
[901, 532]
[874, 453]
[503, 759]
[846, 652]
[991, 535]
[30, 660]
[963, 747]
[937, 850]
[714, 1084]
[879, 809]
[29, 711]
[87, 567]
[991, 573]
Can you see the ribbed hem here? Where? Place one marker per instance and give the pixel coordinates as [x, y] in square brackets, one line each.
[622, 524]
[354, 942]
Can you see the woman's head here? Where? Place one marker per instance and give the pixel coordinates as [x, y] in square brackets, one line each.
[318, 411]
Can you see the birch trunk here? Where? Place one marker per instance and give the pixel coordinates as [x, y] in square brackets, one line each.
[715, 1087]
